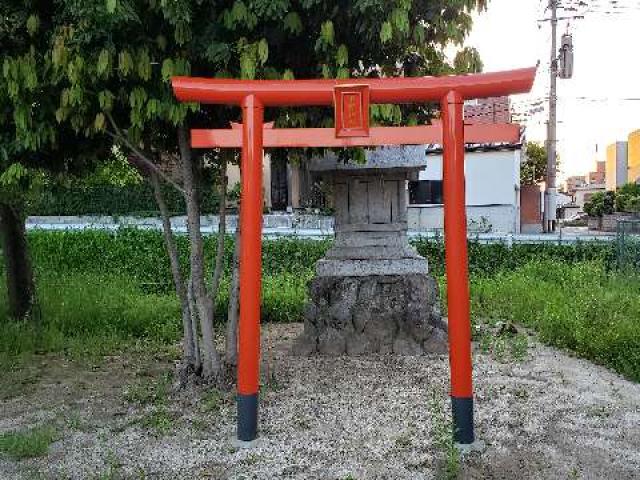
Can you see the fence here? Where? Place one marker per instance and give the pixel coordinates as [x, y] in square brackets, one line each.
[628, 245]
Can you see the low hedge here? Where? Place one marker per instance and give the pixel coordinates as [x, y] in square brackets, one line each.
[111, 200]
[140, 254]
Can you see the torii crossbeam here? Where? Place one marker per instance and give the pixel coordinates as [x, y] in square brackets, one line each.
[351, 99]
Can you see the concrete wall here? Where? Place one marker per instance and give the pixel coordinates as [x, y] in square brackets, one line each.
[480, 219]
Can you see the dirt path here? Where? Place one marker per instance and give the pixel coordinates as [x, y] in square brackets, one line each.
[547, 416]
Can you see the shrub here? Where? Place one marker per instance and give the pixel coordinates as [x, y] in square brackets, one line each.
[628, 198]
[601, 203]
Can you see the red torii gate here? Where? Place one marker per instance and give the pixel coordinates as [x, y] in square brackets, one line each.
[351, 99]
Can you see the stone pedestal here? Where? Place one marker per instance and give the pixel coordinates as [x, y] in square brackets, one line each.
[372, 291]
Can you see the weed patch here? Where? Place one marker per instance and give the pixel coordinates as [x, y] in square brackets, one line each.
[28, 443]
[150, 392]
[158, 420]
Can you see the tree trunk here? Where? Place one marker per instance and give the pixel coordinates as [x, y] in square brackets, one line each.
[211, 365]
[190, 356]
[231, 352]
[194, 325]
[222, 232]
[20, 284]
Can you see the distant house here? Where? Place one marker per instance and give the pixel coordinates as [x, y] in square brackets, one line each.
[492, 190]
[574, 182]
[492, 178]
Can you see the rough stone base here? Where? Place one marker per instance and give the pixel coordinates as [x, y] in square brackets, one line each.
[358, 315]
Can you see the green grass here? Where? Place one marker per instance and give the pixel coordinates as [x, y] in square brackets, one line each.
[87, 313]
[580, 307]
[27, 443]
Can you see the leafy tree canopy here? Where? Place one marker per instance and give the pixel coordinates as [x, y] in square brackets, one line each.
[534, 167]
[30, 136]
[116, 57]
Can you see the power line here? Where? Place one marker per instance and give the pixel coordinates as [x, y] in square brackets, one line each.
[580, 9]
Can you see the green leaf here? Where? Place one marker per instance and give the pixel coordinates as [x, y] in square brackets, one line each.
[288, 74]
[217, 52]
[327, 33]
[104, 61]
[13, 174]
[61, 114]
[247, 65]
[99, 122]
[111, 5]
[167, 69]
[161, 40]
[292, 23]
[400, 19]
[263, 51]
[144, 64]
[386, 32]
[342, 55]
[419, 34]
[105, 100]
[125, 63]
[58, 55]
[33, 22]
[238, 11]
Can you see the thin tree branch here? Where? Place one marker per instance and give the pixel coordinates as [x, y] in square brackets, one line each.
[190, 356]
[119, 135]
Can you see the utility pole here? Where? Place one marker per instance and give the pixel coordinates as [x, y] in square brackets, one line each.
[549, 223]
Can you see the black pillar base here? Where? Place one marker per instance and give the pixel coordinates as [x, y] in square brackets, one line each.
[247, 417]
[462, 410]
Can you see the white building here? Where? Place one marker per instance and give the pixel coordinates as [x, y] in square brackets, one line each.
[492, 191]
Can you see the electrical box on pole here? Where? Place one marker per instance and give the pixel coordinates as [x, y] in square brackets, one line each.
[566, 57]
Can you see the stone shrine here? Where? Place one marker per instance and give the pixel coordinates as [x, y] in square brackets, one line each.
[372, 292]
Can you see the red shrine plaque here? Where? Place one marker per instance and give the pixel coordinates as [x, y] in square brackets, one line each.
[351, 110]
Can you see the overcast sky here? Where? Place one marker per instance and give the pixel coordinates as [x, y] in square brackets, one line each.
[607, 69]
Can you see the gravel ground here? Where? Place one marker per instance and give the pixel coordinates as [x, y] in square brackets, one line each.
[380, 417]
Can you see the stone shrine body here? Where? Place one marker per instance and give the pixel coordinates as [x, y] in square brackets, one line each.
[372, 292]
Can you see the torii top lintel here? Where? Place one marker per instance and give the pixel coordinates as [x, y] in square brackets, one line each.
[272, 93]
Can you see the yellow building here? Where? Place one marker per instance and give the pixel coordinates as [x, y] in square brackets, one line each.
[634, 156]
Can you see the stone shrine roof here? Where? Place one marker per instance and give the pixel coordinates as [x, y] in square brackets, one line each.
[396, 157]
